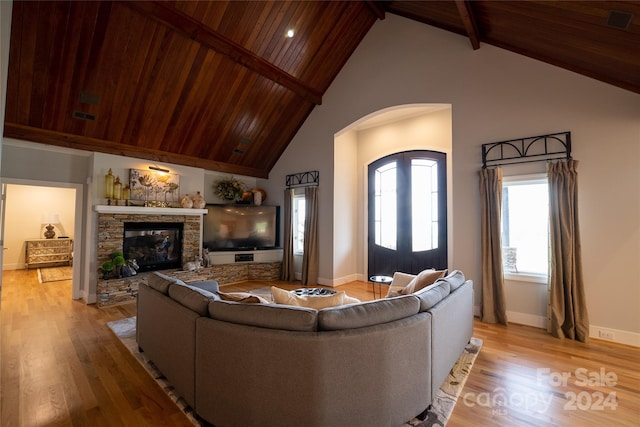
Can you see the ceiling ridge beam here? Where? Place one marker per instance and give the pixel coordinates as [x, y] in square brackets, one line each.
[194, 30]
[67, 140]
[469, 22]
[377, 8]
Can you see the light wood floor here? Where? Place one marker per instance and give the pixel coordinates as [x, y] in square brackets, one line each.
[61, 365]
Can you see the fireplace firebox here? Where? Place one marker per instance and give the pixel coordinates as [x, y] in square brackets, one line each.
[154, 245]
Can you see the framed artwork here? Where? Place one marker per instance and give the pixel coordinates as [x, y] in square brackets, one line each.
[154, 188]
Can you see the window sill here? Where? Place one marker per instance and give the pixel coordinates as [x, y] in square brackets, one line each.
[531, 278]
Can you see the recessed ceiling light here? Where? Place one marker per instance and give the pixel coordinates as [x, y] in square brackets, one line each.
[291, 33]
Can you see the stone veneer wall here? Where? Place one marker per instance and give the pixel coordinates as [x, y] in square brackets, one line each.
[119, 291]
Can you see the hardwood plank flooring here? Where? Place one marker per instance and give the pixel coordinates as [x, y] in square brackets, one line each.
[61, 365]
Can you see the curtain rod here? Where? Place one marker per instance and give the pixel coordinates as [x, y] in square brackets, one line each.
[303, 179]
[535, 148]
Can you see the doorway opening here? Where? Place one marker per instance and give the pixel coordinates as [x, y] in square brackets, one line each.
[393, 130]
[41, 225]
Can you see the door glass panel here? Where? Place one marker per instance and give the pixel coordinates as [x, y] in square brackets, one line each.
[386, 206]
[424, 204]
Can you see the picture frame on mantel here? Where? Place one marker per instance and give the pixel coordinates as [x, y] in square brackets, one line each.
[154, 188]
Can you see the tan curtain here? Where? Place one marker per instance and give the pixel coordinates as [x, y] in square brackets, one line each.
[568, 308]
[288, 272]
[493, 300]
[310, 257]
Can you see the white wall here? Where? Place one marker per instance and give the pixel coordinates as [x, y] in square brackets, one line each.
[345, 216]
[495, 95]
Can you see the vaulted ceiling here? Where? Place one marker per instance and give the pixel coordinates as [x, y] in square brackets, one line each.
[219, 85]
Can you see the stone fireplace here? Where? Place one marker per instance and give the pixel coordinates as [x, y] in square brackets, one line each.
[111, 232]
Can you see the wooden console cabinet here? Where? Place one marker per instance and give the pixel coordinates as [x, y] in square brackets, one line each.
[48, 252]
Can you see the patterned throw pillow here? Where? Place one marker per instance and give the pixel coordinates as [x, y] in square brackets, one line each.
[243, 297]
[422, 280]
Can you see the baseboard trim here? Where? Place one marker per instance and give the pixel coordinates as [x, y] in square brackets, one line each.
[596, 332]
[614, 335]
[527, 319]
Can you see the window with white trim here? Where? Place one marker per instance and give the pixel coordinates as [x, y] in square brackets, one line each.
[298, 223]
[525, 227]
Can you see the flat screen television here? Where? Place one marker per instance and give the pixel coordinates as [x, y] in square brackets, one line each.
[241, 227]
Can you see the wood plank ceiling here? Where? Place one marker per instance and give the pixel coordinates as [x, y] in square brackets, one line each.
[218, 85]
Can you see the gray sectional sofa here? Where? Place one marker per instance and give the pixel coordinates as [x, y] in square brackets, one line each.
[375, 363]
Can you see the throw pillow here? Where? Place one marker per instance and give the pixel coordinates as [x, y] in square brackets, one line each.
[282, 296]
[422, 280]
[243, 297]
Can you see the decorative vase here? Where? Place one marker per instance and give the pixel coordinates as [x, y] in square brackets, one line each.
[186, 202]
[49, 234]
[247, 196]
[257, 198]
[198, 201]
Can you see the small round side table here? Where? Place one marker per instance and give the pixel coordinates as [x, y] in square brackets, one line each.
[380, 280]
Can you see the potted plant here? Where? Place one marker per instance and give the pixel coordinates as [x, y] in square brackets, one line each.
[118, 262]
[107, 268]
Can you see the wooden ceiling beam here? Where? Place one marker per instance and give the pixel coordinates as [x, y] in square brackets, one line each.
[194, 30]
[377, 8]
[469, 22]
[67, 140]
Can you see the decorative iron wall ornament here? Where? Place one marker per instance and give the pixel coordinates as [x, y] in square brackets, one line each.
[525, 150]
[303, 179]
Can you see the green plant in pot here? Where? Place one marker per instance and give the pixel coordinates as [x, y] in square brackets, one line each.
[118, 262]
[107, 269]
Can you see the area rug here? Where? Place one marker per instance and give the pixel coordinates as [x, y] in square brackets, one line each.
[437, 415]
[55, 274]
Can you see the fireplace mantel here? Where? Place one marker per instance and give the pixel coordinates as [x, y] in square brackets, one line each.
[142, 210]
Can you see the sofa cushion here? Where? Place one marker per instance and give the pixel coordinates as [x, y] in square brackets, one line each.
[207, 285]
[455, 279]
[282, 296]
[193, 298]
[243, 297]
[367, 313]
[160, 282]
[433, 294]
[270, 316]
[422, 280]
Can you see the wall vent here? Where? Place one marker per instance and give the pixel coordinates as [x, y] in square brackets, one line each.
[84, 116]
[619, 19]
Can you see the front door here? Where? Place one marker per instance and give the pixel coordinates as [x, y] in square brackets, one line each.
[407, 203]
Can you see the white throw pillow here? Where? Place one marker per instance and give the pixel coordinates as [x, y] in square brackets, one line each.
[282, 296]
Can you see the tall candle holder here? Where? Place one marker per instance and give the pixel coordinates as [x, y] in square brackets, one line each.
[109, 182]
[117, 191]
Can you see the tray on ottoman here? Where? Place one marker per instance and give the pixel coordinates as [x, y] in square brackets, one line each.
[314, 291]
